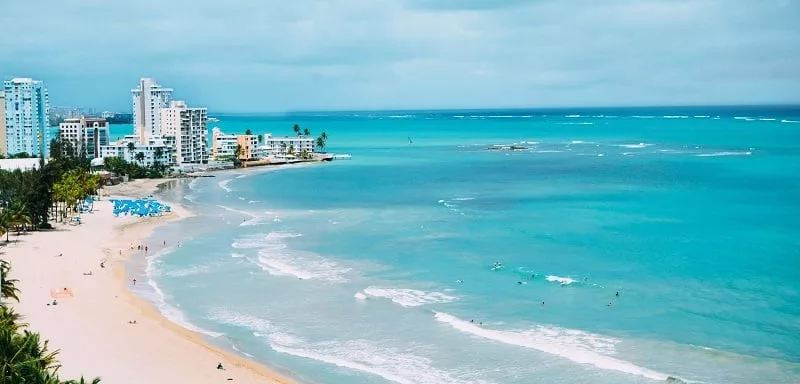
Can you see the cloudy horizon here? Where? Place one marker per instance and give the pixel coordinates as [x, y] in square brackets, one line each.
[242, 56]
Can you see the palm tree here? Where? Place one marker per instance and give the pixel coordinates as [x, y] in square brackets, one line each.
[158, 153]
[96, 380]
[321, 144]
[248, 132]
[131, 148]
[18, 215]
[26, 359]
[238, 152]
[283, 146]
[306, 132]
[291, 149]
[5, 223]
[140, 158]
[296, 129]
[8, 287]
[324, 136]
[10, 319]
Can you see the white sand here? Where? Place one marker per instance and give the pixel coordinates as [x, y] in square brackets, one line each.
[91, 329]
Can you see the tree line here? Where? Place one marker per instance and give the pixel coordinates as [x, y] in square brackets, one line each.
[29, 200]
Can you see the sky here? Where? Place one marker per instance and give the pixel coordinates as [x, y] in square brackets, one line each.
[273, 56]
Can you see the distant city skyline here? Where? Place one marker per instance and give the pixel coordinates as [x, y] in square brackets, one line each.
[312, 55]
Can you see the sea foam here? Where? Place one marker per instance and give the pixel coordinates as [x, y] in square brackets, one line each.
[560, 280]
[577, 346]
[276, 258]
[408, 297]
[370, 357]
[158, 297]
[224, 185]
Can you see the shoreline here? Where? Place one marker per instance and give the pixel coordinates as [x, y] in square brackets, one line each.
[93, 329]
[150, 187]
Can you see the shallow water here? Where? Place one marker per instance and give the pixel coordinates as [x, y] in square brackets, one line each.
[374, 269]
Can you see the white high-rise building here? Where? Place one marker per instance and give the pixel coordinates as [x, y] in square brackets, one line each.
[3, 124]
[26, 110]
[188, 127]
[148, 100]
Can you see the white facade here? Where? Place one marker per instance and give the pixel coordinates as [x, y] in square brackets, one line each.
[3, 123]
[280, 146]
[155, 150]
[26, 111]
[188, 127]
[222, 145]
[148, 100]
[86, 135]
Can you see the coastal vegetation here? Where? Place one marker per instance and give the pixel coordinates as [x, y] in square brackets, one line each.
[24, 355]
[28, 200]
[320, 142]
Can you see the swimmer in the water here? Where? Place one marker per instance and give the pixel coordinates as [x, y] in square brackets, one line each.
[610, 304]
[617, 293]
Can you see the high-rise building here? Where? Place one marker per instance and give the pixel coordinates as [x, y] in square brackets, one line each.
[148, 100]
[26, 107]
[3, 123]
[86, 134]
[188, 127]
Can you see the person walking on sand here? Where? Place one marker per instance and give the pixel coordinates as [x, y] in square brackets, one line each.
[134, 281]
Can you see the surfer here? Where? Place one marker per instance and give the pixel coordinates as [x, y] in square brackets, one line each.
[617, 293]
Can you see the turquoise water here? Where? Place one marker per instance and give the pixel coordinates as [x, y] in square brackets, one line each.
[373, 270]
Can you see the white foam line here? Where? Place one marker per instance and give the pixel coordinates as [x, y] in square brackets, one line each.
[341, 363]
[173, 314]
[224, 185]
[544, 345]
[237, 211]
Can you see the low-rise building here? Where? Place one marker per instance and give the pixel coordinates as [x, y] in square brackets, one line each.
[250, 147]
[130, 150]
[287, 145]
[223, 146]
[86, 134]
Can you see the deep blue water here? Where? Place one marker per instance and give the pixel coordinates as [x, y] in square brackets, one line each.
[371, 270]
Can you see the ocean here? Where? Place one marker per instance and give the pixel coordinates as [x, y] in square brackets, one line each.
[636, 245]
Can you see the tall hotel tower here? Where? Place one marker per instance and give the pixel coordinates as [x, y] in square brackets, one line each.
[26, 109]
[148, 100]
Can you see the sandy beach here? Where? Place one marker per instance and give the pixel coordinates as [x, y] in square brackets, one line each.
[92, 327]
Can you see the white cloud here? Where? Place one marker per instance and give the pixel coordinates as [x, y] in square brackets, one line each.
[251, 55]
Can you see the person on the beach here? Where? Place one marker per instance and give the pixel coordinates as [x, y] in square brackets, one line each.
[145, 249]
[134, 281]
[219, 366]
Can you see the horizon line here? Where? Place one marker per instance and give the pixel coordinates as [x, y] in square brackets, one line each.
[540, 108]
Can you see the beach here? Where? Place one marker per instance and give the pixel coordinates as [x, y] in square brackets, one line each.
[93, 326]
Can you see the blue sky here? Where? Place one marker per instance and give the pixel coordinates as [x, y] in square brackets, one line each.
[264, 55]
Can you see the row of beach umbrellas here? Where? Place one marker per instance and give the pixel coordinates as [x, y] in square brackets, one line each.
[139, 207]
